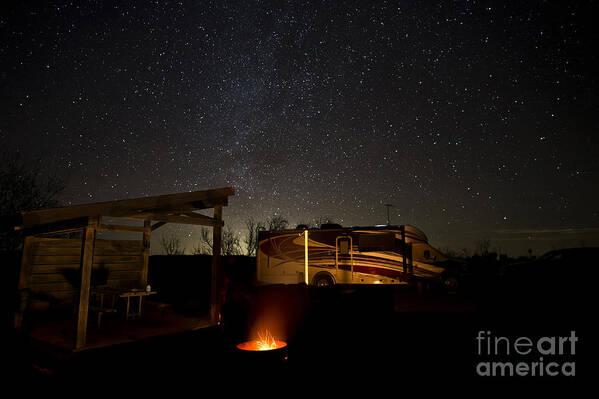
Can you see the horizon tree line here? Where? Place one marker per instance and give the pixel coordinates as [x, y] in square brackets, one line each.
[231, 242]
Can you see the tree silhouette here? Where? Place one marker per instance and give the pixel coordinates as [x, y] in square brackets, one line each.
[277, 222]
[24, 187]
[251, 238]
[229, 243]
[171, 244]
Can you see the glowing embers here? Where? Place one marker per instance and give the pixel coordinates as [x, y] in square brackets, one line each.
[265, 342]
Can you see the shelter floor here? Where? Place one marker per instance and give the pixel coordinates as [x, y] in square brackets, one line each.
[115, 330]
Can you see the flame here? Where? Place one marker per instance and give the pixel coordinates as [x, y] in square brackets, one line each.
[265, 342]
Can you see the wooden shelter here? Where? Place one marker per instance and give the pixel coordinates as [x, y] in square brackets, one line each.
[46, 259]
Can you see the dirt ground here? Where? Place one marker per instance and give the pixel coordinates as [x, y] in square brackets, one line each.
[364, 337]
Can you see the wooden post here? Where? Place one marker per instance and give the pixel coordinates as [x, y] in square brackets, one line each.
[217, 273]
[146, 252]
[87, 260]
[24, 281]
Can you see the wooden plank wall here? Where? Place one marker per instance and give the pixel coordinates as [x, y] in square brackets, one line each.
[54, 271]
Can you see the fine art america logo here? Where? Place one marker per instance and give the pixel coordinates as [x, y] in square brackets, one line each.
[526, 357]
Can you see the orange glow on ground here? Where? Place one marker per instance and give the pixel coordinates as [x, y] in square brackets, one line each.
[265, 342]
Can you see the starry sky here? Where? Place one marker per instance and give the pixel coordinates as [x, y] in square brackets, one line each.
[474, 119]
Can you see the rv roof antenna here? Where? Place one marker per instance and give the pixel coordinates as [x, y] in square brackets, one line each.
[388, 220]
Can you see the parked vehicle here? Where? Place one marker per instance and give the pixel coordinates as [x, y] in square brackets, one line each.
[574, 266]
[333, 254]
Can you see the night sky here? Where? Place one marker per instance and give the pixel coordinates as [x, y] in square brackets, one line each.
[475, 119]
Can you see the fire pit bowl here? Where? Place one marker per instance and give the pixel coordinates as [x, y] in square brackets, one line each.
[264, 351]
[254, 346]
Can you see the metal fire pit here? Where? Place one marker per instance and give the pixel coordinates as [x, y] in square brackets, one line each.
[249, 353]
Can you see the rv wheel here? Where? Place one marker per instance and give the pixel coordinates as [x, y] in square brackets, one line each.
[323, 280]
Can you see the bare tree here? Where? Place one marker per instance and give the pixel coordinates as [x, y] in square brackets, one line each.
[251, 238]
[482, 246]
[171, 244]
[200, 249]
[449, 252]
[24, 187]
[277, 222]
[204, 247]
[229, 243]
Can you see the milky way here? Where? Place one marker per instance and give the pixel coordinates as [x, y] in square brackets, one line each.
[475, 120]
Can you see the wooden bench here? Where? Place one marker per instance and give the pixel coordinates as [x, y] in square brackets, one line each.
[101, 310]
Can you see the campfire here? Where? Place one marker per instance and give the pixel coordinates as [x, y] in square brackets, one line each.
[264, 342]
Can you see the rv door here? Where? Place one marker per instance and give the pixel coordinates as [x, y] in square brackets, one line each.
[344, 259]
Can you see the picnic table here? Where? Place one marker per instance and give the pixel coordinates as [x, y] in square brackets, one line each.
[113, 293]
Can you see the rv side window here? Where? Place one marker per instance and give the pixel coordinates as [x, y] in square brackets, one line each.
[376, 242]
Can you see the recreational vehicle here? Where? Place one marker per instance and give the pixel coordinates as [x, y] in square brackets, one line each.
[333, 254]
